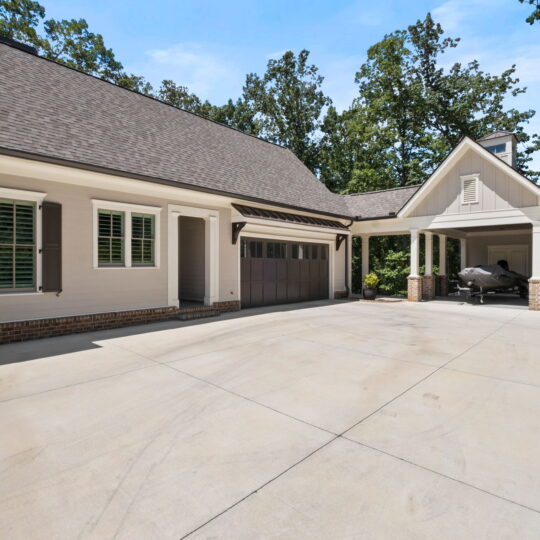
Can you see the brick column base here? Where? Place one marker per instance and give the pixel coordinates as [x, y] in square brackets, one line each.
[428, 287]
[414, 289]
[443, 285]
[534, 294]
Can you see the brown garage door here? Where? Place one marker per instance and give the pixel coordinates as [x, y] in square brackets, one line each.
[276, 272]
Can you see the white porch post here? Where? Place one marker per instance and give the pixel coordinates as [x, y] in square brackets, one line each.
[211, 260]
[534, 282]
[429, 254]
[365, 257]
[414, 282]
[415, 252]
[463, 252]
[442, 254]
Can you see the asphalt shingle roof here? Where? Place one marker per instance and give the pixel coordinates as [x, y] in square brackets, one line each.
[379, 204]
[52, 111]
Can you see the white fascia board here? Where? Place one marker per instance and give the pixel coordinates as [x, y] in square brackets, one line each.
[392, 226]
[455, 155]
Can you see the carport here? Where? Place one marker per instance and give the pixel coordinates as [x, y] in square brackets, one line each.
[479, 199]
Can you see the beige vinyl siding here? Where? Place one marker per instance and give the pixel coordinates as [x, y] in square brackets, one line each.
[496, 190]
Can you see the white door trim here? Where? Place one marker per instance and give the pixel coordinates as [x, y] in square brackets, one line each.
[211, 250]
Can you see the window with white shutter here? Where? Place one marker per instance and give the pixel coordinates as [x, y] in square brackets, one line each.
[469, 189]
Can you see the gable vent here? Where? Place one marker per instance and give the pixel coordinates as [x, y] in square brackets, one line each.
[469, 190]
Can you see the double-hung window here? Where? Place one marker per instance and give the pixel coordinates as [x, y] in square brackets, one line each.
[142, 239]
[111, 240]
[125, 235]
[17, 245]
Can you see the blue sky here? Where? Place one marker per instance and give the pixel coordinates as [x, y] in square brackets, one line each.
[209, 46]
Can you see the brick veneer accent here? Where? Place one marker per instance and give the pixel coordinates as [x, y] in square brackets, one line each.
[428, 287]
[443, 285]
[58, 326]
[414, 289]
[534, 294]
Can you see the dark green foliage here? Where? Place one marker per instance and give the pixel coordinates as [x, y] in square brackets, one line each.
[288, 101]
[535, 13]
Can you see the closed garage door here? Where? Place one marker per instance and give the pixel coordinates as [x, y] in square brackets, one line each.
[274, 272]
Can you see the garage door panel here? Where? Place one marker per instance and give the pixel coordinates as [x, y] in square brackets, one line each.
[267, 280]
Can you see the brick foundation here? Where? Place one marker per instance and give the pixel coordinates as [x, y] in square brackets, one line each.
[340, 294]
[443, 285]
[534, 294]
[428, 287]
[414, 289]
[58, 326]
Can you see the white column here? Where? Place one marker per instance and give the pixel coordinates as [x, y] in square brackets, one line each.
[365, 256]
[172, 253]
[536, 251]
[211, 260]
[463, 252]
[442, 254]
[429, 254]
[415, 251]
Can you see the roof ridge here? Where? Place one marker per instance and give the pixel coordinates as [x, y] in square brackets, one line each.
[379, 190]
[143, 95]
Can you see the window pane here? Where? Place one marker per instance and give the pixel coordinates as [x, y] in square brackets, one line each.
[136, 226]
[24, 267]
[270, 250]
[104, 250]
[136, 251]
[243, 249]
[148, 252]
[149, 227]
[295, 251]
[6, 222]
[24, 223]
[6, 267]
[117, 250]
[104, 223]
[314, 252]
[117, 224]
[323, 252]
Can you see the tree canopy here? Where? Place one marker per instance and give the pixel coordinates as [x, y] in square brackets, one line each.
[535, 13]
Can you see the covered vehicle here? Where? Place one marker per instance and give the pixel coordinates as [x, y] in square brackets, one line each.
[476, 281]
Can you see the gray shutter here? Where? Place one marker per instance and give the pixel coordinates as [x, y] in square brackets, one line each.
[51, 255]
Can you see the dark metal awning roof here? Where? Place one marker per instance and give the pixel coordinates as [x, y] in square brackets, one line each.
[287, 217]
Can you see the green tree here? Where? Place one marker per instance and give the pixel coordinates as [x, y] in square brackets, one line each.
[289, 101]
[410, 112]
[535, 13]
[68, 42]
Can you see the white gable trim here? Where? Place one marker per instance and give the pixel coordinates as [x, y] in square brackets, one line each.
[454, 156]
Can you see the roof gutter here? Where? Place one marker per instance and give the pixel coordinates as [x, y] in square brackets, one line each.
[134, 176]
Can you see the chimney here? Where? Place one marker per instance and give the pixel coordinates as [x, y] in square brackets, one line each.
[502, 144]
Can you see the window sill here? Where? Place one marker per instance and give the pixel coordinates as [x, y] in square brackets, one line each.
[22, 293]
[126, 267]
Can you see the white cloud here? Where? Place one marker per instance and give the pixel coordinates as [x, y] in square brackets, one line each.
[454, 14]
[191, 65]
[276, 54]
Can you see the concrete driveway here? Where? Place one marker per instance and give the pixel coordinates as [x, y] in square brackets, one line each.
[330, 420]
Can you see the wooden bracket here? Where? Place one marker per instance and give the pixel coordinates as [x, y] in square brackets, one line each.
[339, 240]
[236, 228]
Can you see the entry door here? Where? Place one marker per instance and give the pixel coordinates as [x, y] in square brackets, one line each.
[516, 255]
[277, 272]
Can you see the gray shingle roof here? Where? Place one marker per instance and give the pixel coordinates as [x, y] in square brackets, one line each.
[51, 111]
[379, 204]
[495, 135]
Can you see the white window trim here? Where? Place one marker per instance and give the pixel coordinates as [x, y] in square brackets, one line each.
[476, 177]
[128, 209]
[36, 197]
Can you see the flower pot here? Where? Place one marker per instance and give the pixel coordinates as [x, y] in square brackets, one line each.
[369, 294]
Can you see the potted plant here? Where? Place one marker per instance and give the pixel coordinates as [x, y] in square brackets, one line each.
[370, 286]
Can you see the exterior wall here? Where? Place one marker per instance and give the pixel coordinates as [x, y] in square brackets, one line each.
[477, 246]
[497, 190]
[89, 290]
[191, 249]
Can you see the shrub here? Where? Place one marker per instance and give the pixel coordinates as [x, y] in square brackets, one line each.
[371, 281]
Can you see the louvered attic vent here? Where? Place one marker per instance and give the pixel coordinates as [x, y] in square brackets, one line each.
[469, 190]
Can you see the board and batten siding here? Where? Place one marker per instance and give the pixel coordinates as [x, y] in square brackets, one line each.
[496, 190]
